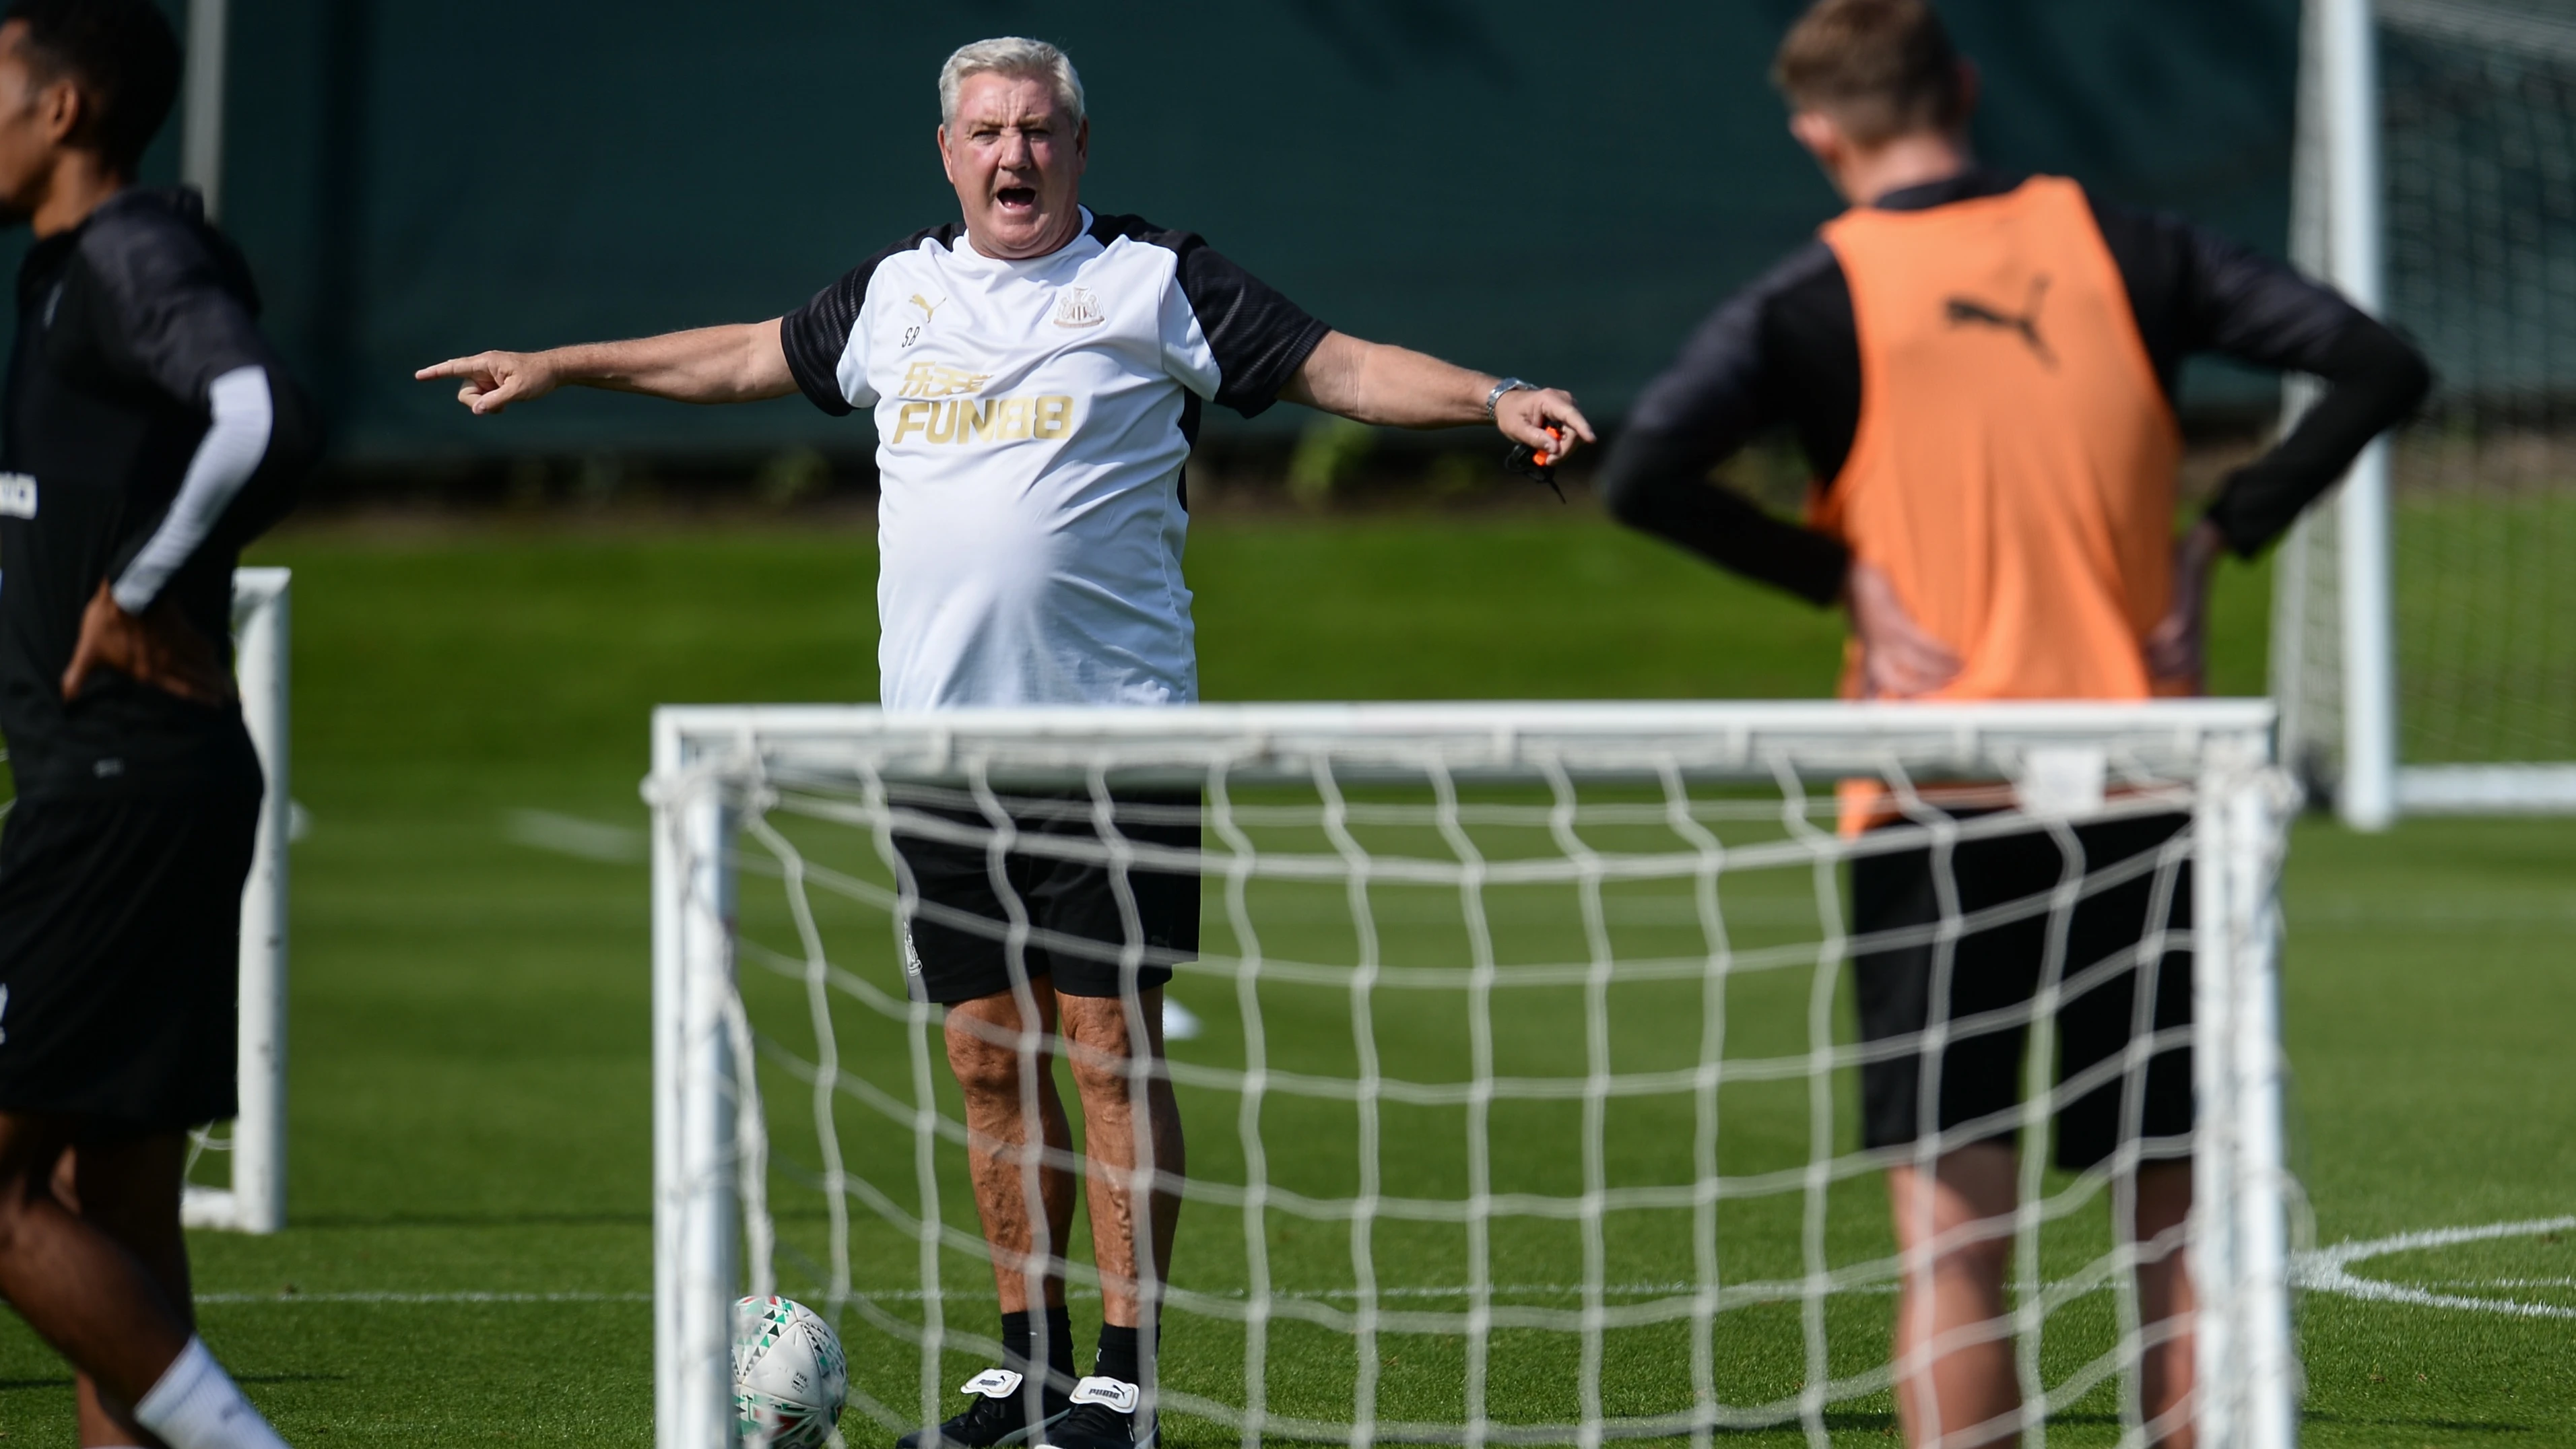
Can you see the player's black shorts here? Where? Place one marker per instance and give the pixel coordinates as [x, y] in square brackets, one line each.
[956, 942]
[120, 956]
[1998, 969]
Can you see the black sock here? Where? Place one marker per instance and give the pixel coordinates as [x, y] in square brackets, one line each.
[1019, 1343]
[1059, 1331]
[1120, 1355]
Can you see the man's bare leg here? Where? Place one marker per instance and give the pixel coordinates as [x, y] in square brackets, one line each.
[130, 1188]
[1005, 1071]
[1104, 1046]
[2165, 1295]
[1944, 1401]
[75, 1284]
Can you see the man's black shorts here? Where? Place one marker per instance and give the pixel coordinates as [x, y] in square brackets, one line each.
[120, 956]
[1998, 969]
[956, 944]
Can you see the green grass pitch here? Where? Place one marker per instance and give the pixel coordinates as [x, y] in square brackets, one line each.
[469, 1252]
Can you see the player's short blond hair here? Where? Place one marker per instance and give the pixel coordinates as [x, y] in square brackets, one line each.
[1882, 68]
[1012, 55]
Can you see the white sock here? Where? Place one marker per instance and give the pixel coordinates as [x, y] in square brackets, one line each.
[197, 1406]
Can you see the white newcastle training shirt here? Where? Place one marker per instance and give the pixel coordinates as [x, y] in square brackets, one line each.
[1032, 420]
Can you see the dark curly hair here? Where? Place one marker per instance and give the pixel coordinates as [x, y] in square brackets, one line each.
[123, 56]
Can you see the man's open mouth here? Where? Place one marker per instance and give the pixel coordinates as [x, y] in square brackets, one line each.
[1017, 198]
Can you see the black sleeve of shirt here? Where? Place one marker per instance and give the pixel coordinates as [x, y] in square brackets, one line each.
[2196, 291]
[1258, 336]
[1717, 396]
[815, 335]
[176, 308]
[171, 305]
[2375, 380]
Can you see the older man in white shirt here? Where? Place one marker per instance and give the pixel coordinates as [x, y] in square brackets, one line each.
[1037, 376]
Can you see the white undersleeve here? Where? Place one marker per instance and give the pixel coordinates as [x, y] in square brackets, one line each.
[235, 444]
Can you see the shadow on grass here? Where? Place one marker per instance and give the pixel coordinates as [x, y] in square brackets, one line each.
[342, 1222]
[8, 1386]
[1199, 1435]
[1885, 1423]
[1216, 1438]
[2452, 1426]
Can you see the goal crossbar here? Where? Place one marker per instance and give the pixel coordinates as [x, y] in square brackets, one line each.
[1280, 741]
[715, 769]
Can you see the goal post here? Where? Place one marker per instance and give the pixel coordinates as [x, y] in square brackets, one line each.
[2422, 654]
[1530, 1026]
[255, 1199]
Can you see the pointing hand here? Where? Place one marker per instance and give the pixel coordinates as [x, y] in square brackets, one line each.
[494, 380]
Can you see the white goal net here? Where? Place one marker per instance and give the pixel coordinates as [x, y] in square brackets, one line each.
[1524, 1099]
[2469, 205]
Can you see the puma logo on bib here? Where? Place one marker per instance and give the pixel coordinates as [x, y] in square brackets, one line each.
[1969, 312]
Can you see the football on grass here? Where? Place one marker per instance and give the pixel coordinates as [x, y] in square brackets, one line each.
[790, 1378]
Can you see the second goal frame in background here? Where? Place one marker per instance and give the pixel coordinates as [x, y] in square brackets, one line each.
[2422, 649]
[254, 1200]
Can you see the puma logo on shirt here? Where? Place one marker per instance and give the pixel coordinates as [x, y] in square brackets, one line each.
[1969, 312]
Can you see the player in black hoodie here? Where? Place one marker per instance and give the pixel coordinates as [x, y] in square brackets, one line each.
[149, 434]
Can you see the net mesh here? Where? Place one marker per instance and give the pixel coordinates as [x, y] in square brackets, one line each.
[2478, 104]
[1523, 1106]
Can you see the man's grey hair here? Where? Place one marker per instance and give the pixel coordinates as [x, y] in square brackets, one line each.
[1013, 55]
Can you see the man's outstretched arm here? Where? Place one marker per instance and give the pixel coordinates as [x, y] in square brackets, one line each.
[1371, 382]
[744, 362]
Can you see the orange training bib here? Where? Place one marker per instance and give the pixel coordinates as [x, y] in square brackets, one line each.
[2014, 468]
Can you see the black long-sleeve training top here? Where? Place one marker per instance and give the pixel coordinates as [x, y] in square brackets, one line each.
[1786, 351]
[150, 433]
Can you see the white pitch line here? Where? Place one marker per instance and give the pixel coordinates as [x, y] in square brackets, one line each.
[2322, 1270]
[2328, 1270]
[1529, 1290]
[915, 1295]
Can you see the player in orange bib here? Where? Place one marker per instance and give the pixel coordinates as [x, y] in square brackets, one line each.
[1980, 369]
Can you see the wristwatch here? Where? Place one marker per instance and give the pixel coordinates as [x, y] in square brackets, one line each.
[1509, 384]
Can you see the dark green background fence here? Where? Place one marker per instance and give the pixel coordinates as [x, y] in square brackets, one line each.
[1557, 190]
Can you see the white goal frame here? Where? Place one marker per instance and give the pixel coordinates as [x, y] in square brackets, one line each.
[256, 1200]
[707, 760]
[2336, 678]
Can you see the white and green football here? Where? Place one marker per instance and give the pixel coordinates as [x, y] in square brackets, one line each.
[790, 1377]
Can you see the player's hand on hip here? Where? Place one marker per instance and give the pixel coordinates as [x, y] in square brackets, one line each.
[491, 381]
[157, 647]
[1544, 418]
[2177, 648]
[1899, 658]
